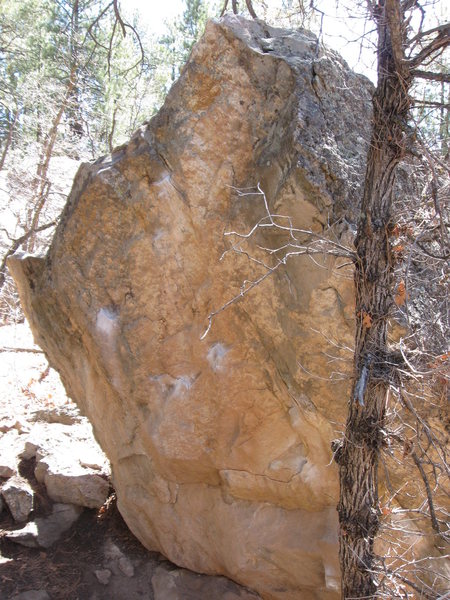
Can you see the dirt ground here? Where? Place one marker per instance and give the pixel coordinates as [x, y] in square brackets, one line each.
[67, 570]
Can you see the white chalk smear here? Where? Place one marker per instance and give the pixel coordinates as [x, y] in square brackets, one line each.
[107, 323]
[173, 386]
[216, 356]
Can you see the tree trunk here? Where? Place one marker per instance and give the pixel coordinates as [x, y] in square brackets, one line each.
[358, 458]
[74, 108]
[444, 121]
[8, 140]
[41, 184]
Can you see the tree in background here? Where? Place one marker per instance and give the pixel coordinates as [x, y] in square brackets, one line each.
[182, 34]
[235, 7]
[74, 80]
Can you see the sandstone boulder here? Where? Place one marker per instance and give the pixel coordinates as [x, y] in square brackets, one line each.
[220, 447]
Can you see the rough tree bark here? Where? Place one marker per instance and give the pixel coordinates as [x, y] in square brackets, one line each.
[358, 456]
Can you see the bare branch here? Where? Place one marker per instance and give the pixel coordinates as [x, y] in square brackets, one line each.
[16, 245]
[250, 8]
[434, 521]
[224, 8]
[423, 34]
[437, 45]
[431, 103]
[430, 76]
[31, 350]
[119, 18]
[318, 245]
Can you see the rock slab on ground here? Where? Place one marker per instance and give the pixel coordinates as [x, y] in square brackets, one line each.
[220, 447]
[180, 584]
[68, 462]
[43, 532]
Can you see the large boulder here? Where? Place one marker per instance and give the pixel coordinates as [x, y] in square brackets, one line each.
[220, 447]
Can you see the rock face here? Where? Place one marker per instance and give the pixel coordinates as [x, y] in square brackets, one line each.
[220, 448]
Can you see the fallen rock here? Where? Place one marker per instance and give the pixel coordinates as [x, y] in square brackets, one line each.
[180, 584]
[74, 484]
[19, 497]
[67, 415]
[220, 448]
[43, 532]
[69, 463]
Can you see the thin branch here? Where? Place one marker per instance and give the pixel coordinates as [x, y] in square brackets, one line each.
[224, 8]
[423, 34]
[31, 350]
[250, 9]
[233, 300]
[441, 41]
[434, 521]
[95, 21]
[16, 245]
[431, 76]
[119, 18]
[289, 249]
[431, 103]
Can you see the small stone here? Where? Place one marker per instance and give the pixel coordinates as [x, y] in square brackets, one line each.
[45, 531]
[126, 567]
[29, 451]
[103, 575]
[11, 424]
[7, 470]
[67, 415]
[19, 497]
